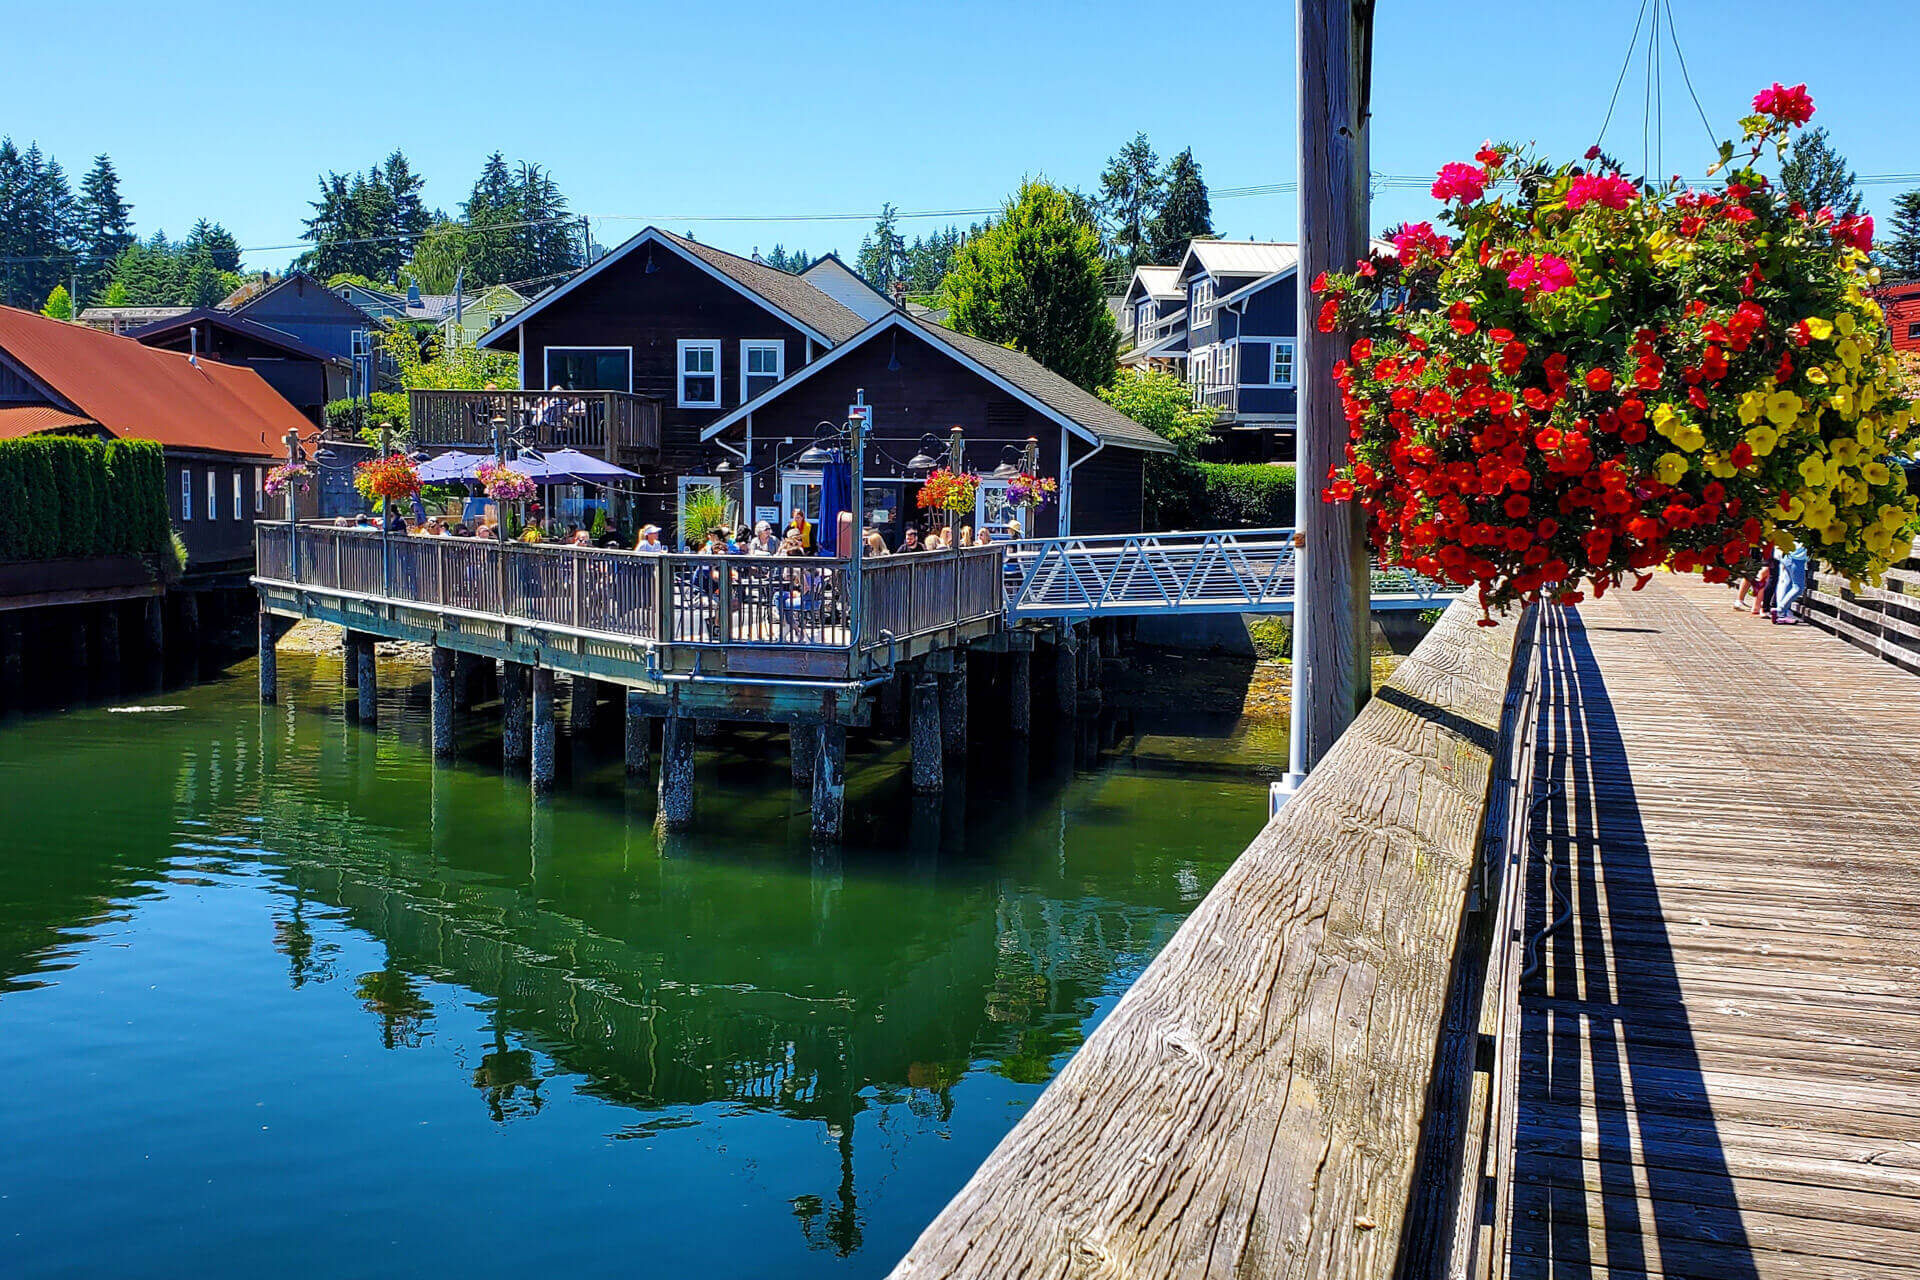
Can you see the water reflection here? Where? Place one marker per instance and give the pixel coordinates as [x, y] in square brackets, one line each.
[688, 980]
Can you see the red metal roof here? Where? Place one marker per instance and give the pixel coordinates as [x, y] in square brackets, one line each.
[137, 392]
[31, 419]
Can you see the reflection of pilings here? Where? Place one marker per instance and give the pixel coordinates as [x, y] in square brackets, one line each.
[269, 659]
[586, 701]
[110, 638]
[953, 706]
[925, 730]
[639, 733]
[446, 665]
[369, 690]
[541, 764]
[830, 781]
[12, 662]
[675, 811]
[1020, 695]
[153, 620]
[514, 715]
[350, 665]
[803, 740]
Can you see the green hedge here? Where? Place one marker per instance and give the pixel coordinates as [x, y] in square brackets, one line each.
[1182, 494]
[64, 496]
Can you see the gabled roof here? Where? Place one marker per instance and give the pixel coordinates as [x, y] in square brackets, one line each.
[128, 315]
[848, 287]
[264, 333]
[1252, 287]
[140, 392]
[291, 280]
[1238, 257]
[31, 419]
[1024, 378]
[1162, 284]
[789, 297]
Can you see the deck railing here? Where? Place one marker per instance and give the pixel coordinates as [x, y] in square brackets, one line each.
[789, 602]
[1883, 620]
[611, 424]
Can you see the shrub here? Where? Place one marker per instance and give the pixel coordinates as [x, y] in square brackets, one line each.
[1183, 494]
[63, 496]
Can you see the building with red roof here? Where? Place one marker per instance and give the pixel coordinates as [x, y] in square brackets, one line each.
[221, 425]
[1901, 302]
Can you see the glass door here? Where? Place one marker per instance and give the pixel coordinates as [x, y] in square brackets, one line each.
[799, 490]
[991, 508]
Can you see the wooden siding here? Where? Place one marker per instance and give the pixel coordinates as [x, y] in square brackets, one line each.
[1108, 492]
[213, 538]
[651, 312]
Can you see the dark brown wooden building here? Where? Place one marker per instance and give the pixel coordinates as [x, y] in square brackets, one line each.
[305, 375]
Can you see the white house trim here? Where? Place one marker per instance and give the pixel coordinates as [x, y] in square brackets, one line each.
[680, 348]
[546, 361]
[779, 349]
[651, 236]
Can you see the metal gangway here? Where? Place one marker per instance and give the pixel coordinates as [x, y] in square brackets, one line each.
[1141, 574]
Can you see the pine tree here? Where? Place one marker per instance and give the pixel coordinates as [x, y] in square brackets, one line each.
[216, 242]
[1034, 281]
[410, 216]
[103, 224]
[1900, 250]
[1129, 198]
[36, 222]
[1817, 176]
[881, 253]
[493, 201]
[1185, 213]
[59, 304]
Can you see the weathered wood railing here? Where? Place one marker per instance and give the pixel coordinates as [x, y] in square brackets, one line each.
[1289, 1088]
[611, 424]
[1884, 620]
[682, 600]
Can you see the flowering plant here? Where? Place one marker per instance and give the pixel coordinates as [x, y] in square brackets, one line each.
[945, 490]
[389, 478]
[502, 483]
[1029, 491]
[288, 474]
[1600, 377]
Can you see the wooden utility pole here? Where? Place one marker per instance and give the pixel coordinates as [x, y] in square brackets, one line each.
[1332, 673]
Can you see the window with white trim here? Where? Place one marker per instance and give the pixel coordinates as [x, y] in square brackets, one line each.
[1143, 323]
[213, 495]
[699, 381]
[186, 495]
[1282, 374]
[259, 490]
[239, 509]
[1200, 308]
[762, 363]
[1223, 364]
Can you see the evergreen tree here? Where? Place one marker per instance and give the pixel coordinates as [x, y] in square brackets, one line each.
[409, 215]
[1817, 176]
[1185, 213]
[792, 263]
[1900, 249]
[59, 304]
[550, 239]
[882, 254]
[36, 223]
[103, 224]
[216, 242]
[1033, 281]
[1129, 198]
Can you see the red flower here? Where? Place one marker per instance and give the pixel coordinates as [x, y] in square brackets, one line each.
[1855, 232]
[1329, 315]
[1788, 105]
[1516, 506]
[1608, 190]
[1490, 155]
[1741, 455]
[1599, 379]
[1419, 240]
[1462, 182]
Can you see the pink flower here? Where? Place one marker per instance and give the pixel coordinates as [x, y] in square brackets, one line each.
[1546, 273]
[1609, 190]
[1462, 182]
[1855, 231]
[1419, 240]
[1787, 105]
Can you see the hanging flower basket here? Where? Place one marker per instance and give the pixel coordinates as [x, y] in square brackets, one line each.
[295, 475]
[389, 479]
[1599, 377]
[1028, 491]
[951, 491]
[503, 484]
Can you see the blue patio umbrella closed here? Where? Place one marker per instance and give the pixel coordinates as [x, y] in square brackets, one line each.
[836, 479]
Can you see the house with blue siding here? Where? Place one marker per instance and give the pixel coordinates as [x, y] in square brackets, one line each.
[1153, 321]
[1241, 325]
[303, 306]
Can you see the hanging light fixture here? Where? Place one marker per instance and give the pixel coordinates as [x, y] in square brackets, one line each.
[924, 461]
[724, 467]
[817, 455]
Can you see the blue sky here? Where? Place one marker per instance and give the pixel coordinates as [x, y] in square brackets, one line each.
[651, 112]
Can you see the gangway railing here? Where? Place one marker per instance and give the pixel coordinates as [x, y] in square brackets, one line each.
[1213, 571]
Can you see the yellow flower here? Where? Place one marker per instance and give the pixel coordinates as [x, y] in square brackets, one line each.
[1820, 329]
[1833, 533]
[1848, 351]
[1843, 401]
[1845, 450]
[1782, 408]
[1752, 405]
[1720, 468]
[1876, 473]
[1761, 440]
[1669, 468]
[1812, 470]
[1845, 323]
[1878, 538]
[1663, 418]
[1817, 376]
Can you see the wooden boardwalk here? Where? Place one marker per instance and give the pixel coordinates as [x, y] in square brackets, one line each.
[1719, 1054]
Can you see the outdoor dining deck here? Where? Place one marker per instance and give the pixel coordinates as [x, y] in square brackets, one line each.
[613, 425]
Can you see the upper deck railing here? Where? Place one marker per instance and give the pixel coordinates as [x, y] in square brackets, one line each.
[774, 603]
[1217, 571]
[611, 424]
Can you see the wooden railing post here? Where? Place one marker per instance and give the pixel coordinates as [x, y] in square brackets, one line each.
[663, 599]
[723, 606]
[575, 616]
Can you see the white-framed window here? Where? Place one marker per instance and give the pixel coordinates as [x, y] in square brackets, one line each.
[763, 362]
[1282, 362]
[362, 344]
[699, 380]
[186, 495]
[239, 510]
[1143, 323]
[990, 507]
[213, 494]
[1200, 308]
[259, 490]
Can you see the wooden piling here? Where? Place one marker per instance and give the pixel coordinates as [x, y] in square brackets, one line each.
[446, 666]
[12, 663]
[639, 729]
[77, 641]
[540, 766]
[154, 623]
[1066, 674]
[269, 659]
[109, 638]
[350, 665]
[929, 764]
[368, 687]
[802, 743]
[514, 715]
[830, 782]
[675, 810]
[953, 707]
[1021, 691]
[586, 702]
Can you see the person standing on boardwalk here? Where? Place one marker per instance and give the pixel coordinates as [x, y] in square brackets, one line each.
[1793, 585]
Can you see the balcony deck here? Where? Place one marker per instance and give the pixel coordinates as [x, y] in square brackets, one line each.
[614, 425]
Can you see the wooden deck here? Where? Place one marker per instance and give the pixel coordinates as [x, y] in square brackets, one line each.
[1719, 1061]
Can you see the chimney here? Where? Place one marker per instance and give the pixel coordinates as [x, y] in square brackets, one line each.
[413, 294]
[899, 290]
[757, 257]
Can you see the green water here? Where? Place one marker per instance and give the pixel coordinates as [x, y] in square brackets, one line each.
[279, 996]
